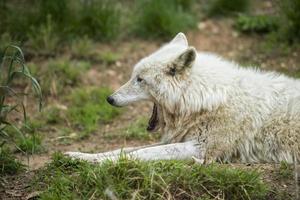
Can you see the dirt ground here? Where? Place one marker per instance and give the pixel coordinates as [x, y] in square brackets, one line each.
[212, 35]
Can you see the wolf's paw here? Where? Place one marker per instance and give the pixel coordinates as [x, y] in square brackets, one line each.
[198, 160]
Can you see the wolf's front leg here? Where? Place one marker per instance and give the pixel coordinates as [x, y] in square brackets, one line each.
[98, 157]
[176, 151]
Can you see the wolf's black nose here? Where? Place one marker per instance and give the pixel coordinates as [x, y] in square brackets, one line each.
[110, 100]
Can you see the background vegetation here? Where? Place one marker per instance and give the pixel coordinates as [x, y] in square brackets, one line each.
[46, 26]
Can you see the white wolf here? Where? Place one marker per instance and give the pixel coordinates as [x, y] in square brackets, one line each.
[211, 109]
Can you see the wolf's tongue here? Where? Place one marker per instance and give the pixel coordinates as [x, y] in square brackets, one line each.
[153, 120]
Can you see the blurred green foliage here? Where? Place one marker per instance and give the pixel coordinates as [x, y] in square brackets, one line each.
[8, 162]
[290, 21]
[67, 19]
[283, 26]
[163, 19]
[226, 7]
[45, 26]
[256, 24]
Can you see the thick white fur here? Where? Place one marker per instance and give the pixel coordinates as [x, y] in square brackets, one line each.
[234, 113]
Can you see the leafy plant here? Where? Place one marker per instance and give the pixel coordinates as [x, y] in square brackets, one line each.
[256, 24]
[154, 19]
[11, 68]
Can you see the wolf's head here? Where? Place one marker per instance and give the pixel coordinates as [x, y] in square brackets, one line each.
[161, 78]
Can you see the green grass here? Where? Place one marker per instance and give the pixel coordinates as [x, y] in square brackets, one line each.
[109, 57]
[133, 179]
[161, 19]
[88, 108]
[82, 47]
[225, 7]
[59, 74]
[256, 24]
[68, 71]
[27, 138]
[43, 39]
[8, 162]
[31, 144]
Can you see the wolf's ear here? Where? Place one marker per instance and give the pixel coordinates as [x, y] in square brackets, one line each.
[180, 39]
[187, 58]
[183, 61]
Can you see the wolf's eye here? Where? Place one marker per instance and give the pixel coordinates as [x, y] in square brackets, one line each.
[172, 71]
[139, 79]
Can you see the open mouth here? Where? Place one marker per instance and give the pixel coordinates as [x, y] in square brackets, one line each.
[153, 121]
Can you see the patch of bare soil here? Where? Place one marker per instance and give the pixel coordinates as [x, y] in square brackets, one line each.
[16, 187]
